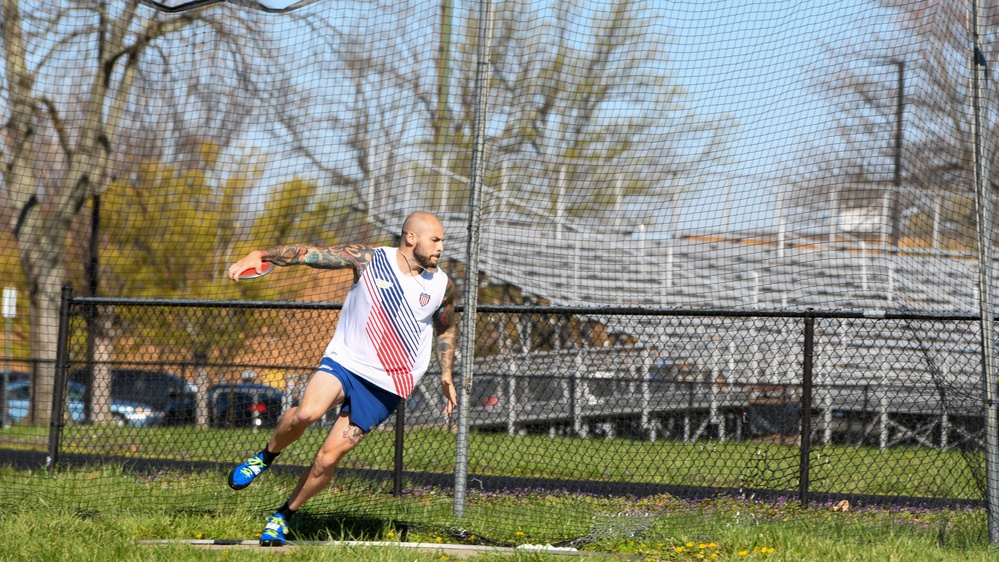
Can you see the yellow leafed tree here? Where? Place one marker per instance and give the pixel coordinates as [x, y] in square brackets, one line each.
[170, 233]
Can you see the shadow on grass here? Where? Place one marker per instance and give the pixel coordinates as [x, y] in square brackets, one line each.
[346, 527]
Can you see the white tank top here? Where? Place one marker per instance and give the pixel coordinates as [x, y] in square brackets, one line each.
[385, 332]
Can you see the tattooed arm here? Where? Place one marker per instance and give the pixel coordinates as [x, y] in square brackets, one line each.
[354, 256]
[446, 324]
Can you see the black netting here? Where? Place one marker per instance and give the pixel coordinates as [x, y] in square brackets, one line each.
[688, 225]
[699, 405]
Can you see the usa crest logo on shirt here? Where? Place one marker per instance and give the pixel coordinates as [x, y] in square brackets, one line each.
[424, 299]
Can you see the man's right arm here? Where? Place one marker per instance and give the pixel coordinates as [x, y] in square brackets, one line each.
[354, 256]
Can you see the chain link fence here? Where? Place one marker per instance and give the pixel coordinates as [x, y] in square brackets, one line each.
[704, 403]
[700, 198]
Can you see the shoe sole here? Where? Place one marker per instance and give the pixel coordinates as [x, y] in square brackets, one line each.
[233, 484]
[271, 542]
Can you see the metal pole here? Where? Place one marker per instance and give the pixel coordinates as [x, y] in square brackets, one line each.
[400, 425]
[90, 311]
[983, 205]
[897, 156]
[55, 420]
[471, 298]
[442, 122]
[806, 408]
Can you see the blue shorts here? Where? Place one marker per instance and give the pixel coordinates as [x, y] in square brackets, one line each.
[366, 404]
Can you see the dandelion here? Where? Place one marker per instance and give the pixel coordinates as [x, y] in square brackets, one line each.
[520, 533]
[702, 546]
[390, 534]
[439, 539]
[690, 545]
[743, 553]
[678, 549]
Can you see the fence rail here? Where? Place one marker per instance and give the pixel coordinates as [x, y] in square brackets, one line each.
[875, 381]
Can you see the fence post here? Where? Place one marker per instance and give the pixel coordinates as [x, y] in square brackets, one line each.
[578, 386]
[883, 416]
[716, 373]
[55, 420]
[986, 306]
[827, 415]
[806, 407]
[513, 371]
[471, 297]
[644, 373]
[400, 424]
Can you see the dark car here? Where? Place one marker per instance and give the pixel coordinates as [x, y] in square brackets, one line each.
[244, 404]
[164, 391]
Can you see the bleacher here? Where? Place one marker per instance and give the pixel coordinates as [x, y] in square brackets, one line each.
[879, 376]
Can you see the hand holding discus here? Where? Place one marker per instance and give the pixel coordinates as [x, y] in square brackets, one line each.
[250, 267]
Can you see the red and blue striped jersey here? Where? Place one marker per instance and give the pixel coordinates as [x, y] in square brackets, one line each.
[385, 332]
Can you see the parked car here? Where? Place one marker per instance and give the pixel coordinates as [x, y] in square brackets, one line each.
[123, 412]
[241, 404]
[165, 392]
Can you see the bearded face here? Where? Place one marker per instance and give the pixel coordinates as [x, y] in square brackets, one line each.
[426, 260]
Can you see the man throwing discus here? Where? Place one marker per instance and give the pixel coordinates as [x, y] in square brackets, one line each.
[379, 351]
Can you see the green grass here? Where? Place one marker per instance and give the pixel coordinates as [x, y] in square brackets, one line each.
[897, 471]
[103, 512]
[49, 526]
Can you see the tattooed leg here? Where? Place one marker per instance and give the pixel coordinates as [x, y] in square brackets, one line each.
[353, 434]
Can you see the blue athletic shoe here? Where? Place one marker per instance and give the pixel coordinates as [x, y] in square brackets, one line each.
[274, 532]
[241, 476]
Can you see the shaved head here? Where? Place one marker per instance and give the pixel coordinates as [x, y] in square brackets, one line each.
[419, 223]
[422, 240]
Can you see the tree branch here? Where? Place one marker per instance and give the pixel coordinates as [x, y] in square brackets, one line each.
[59, 126]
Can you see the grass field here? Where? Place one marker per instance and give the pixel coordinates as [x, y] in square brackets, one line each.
[105, 512]
[50, 526]
[897, 471]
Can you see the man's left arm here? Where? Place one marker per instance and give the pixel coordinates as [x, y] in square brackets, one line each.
[446, 325]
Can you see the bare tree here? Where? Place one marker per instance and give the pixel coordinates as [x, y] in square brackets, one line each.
[78, 83]
[589, 97]
[592, 92]
[94, 89]
[900, 140]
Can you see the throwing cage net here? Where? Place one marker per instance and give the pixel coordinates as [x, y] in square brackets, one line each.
[704, 238]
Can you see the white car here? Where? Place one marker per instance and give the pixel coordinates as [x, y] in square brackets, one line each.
[123, 412]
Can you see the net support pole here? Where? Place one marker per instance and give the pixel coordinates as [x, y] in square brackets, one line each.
[62, 348]
[805, 403]
[471, 299]
[983, 204]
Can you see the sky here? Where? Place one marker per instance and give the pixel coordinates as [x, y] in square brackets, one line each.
[754, 60]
